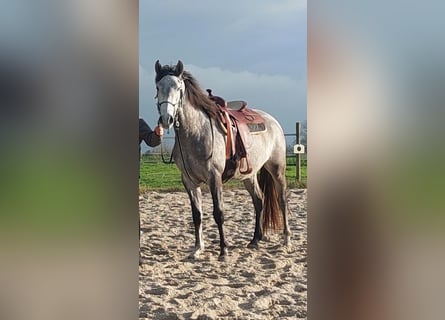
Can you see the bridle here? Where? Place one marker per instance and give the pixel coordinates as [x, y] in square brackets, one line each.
[175, 120]
[179, 104]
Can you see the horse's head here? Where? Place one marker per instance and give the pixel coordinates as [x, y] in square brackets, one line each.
[170, 92]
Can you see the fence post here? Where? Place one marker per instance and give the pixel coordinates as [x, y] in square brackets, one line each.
[297, 155]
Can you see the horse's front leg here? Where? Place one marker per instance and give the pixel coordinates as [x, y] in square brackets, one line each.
[195, 202]
[215, 184]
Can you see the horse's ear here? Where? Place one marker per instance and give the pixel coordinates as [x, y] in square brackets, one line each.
[158, 67]
[179, 68]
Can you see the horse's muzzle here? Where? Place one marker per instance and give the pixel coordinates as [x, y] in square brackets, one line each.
[166, 121]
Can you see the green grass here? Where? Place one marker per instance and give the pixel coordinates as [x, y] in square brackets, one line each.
[156, 175]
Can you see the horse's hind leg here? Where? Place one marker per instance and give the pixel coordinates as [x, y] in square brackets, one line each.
[254, 190]
[278, 174]
[280, 181]
[195, 201]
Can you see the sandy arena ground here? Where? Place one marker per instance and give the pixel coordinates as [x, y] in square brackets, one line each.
[269, 283]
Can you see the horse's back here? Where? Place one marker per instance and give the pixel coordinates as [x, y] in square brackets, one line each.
[273, 131]
[269, 145]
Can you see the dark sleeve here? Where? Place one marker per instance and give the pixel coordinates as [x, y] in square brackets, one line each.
[148, 135]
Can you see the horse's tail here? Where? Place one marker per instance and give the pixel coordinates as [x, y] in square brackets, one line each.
[272, 215]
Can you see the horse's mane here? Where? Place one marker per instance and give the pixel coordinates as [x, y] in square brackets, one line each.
[195, 95]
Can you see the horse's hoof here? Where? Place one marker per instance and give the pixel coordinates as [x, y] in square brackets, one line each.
[253, 244]
[223, 255]
[287, 241]
[195, 254]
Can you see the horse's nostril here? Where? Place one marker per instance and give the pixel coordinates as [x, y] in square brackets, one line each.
[170, 120]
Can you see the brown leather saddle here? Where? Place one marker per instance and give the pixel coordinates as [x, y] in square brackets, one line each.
[238, 122]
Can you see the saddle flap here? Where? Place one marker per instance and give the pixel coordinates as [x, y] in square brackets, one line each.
[245, 136]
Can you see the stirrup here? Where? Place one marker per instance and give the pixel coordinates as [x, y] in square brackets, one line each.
[248, 168]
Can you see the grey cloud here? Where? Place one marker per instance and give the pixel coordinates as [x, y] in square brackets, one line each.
[239, 35]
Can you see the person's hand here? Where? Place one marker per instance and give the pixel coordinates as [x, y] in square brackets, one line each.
[159, 131]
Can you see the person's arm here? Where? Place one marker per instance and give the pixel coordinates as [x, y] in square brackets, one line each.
[151, 138]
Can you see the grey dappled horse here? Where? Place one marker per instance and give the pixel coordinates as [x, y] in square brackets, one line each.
[199, 153]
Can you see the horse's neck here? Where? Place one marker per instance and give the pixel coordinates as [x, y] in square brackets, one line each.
[193, 122]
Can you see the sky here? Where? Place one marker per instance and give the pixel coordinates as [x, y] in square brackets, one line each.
[252, 50]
